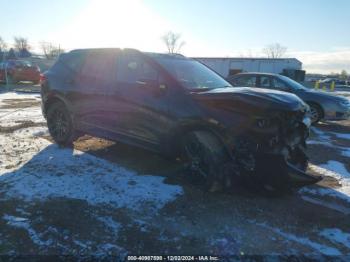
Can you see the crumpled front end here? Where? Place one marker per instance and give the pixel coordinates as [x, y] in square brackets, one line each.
[272, 153]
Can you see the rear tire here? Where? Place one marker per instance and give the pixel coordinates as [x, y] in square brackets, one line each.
[60, 124]
[205, 159]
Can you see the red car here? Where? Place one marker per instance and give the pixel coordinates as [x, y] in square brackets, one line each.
[19, 71]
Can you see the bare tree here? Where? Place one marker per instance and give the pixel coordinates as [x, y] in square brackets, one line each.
[344, 75]
[274, 50]
[50, 51]
[3, 45]
[173, 42]
[21, 43]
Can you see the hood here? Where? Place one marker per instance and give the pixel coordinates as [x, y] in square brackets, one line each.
[258, 98]
[310, 93]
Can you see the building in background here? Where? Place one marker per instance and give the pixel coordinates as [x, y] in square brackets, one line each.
[290, 67]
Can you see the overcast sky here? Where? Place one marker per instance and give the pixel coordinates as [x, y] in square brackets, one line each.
[315, 32]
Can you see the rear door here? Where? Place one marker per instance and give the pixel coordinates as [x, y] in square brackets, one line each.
[89, 90]
[139, 102]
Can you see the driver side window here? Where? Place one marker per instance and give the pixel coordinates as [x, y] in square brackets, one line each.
[132, 68]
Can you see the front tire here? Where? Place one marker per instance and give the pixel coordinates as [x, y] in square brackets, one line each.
[60, 124]
[315, 113]
[205, 159]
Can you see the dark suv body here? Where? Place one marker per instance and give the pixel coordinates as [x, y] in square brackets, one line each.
[179, 107]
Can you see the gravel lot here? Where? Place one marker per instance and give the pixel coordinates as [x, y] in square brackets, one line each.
[104, 198]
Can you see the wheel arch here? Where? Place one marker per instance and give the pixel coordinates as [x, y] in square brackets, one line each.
[311, 102]
[173, 145]
[52, 100]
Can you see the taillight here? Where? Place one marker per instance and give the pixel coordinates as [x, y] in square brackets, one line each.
[42, 78]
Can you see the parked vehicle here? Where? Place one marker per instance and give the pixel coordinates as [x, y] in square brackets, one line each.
[18, 70]
[179, 107]
[2, 72]
[322, 105]
[335, 80]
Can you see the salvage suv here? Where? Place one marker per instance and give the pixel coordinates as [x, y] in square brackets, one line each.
[177, 106]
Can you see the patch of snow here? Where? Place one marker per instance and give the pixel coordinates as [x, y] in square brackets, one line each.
[14, 117]
[336, 170]
[110, 224]
[15, 95]
[56, 172]
[23, 223]
[341, 135]
[41, 170]
[326, 250]
[11, 117]
[317, 142]
[337, 236]
[321, 135]
[81, 244]
[109, 249]
[346, 152]
[328, 204]
[19, 147]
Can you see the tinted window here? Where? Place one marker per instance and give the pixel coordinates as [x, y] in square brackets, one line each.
[246, 80]
[291, 83]
[133, 68]
[278, 84]
[99, 65]
[190, 73]
[73, 61]
[265, 82]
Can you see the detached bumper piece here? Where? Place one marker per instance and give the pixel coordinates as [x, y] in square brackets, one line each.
[273, 170]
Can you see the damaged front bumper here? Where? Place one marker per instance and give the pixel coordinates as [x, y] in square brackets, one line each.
[276, 171]
[277, 159]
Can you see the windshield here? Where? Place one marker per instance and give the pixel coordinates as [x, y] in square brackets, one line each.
[191, 73]
[293, 84]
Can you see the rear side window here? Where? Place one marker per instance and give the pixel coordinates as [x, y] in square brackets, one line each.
[73, 61]
[265, 82]
[243, 81]
[132, 68]
[98, 66]
[68, 64]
